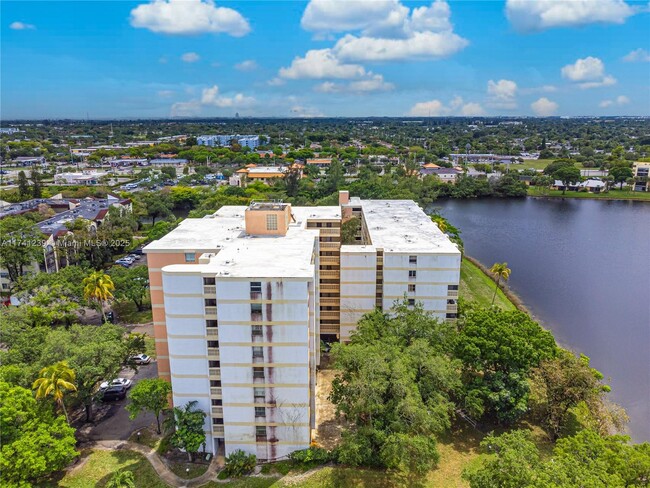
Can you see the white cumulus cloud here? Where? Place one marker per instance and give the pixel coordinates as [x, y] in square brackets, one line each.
[618, 101]
[639, 55]
[211, 96]
[302, 111]
[589, 72]
[189, 17]
[544, 107]
[502, 94]
[21, 26]
[437, 108]
[247, 65]
[190, 57]
[372, 84]
[320, 64]
[537, 15]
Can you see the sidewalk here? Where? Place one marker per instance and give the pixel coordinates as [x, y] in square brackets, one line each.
[160, 467]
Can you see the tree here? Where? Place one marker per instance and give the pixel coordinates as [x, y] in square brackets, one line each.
[556, 165]
[561, 384]
[35, 443]
[23, 185]
[292, 180]
[513, 464]
[54, 381]
[21, 243]
[158, 204]
[446, 228]
[502, 272]
[349, 231]
[122, 479]
[131, 284]
[239, 463]
[149, 394]
[96, 354]
[395, 383]
[498, 349]
[567, 175]
[187, 425]
[37, 188]
[621, 174]
[98, 287]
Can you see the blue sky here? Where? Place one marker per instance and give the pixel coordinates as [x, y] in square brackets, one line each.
[324, 57]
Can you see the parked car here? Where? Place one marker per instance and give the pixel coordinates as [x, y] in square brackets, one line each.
[134, 256]
[125, 382]
[140, 359]
[137, 252]
[116, 392]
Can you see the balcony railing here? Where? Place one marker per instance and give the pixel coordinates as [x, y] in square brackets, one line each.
[213, 352]
[215, 392]
[212, 332]
[256, 316]
[329, 288]
[452, 293]
[330, 314]
[209, 289]
[330, 245]
[215, 373]
[217, 430]
[258, 359]
[217, 411]
[211, 311]
[329, 273]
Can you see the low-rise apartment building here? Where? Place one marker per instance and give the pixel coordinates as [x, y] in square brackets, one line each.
[242, 298]
[641, 172]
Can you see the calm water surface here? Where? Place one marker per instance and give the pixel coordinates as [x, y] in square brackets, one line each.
[583, 269]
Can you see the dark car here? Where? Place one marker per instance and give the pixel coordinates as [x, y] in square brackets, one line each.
[137, 252]
[117, 392]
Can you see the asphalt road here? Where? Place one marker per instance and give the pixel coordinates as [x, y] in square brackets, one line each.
[116, 425]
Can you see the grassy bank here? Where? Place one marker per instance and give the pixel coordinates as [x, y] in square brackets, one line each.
[98, 468]
[476, 286]
[642, 196]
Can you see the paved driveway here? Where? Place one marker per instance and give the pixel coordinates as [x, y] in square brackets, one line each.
[116, 425]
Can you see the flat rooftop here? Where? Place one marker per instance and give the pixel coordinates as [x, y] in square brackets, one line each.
[402, 226]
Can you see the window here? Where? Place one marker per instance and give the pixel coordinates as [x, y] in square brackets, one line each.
[214, 364]
[412, 273]
[211, 323]
[217, 402]
[190, 257]
[256, 331]
[258, 352]
[452, 287]
[256, 287]
[215, 383]
[210, 302]
[258, 373]
[256, 308]
[218, 421]
[451, 315]
[259, 393]
[411, 302]
[411, 288]
[260, 412]
[260, 432]
[213, 343]
[451, 302]
[209, 281]
[413, 260]
[271, 222]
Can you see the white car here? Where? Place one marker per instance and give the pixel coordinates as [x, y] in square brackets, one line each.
[140, 359]
[126, 383]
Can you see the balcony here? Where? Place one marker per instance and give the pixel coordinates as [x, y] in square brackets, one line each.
[329, 329]
[215, 373]
[256, 316]
[217, 411]
[330, 273]
[330, 260]
[258, 359]
[217, 430]
[215, 392]
[452, 294]
[212, 332]
[330, 245]
[329, 288]
[210, 290]
[211, 311]
[330, 314]
[330, 231]
[213, 352]
[256, 295]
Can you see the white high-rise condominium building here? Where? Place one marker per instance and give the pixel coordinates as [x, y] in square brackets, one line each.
[241, 299]
[251, 141]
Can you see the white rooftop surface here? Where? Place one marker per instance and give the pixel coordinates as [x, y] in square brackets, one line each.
[402, 226]
[266, 169]
[315, 213]
[353, 248]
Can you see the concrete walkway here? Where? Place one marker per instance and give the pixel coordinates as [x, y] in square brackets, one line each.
[160, 467]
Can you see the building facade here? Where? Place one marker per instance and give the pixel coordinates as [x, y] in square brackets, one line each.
[242, 298]
[251, 141]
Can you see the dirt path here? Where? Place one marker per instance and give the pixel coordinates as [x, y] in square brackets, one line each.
[328, 427]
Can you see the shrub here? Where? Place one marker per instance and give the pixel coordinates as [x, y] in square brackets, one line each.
[239, 463]
[313, 455]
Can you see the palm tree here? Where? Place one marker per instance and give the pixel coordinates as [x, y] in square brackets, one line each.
[501, 271]
[441, 222]
[98, 286]
[53, 381]
[122, 479]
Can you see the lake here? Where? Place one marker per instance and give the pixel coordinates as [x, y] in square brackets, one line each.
[583, 269]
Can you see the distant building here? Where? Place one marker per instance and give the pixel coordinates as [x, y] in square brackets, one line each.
[641, 176]
[29, 160]
[322, 163]
[168, 162]
[447, 175]
[263, 174]
[251, 141]
[8, 130]
[85, 178]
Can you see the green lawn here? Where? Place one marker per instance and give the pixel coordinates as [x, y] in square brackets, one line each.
[610, 195]
[538, 164]
[100, 466]
[476, 286]
[127, 313]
